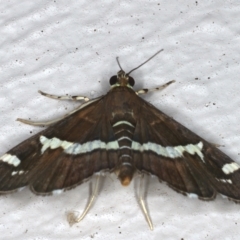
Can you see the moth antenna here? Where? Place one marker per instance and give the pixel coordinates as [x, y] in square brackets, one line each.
[145, 61]
[117, 58]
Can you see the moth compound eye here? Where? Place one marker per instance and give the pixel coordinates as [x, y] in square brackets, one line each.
[113, 80]
[131, 81]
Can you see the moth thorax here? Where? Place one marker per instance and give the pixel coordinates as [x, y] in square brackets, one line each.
[125, 173]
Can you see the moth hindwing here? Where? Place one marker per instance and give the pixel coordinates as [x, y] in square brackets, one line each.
[118, 132]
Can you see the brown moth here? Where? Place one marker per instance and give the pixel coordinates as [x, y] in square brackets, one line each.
[122, 133]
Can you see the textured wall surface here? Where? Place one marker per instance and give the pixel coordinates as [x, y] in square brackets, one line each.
[69, 47]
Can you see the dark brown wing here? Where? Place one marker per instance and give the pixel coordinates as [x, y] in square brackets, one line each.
[190, 173]
[54, 169]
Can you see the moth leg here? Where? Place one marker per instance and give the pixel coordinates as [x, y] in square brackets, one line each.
[47, 123]
[42, 124]
[73, 98]
[142, 203]
[72, 216]
[145, 90]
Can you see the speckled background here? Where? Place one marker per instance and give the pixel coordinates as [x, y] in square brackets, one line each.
[70, 47]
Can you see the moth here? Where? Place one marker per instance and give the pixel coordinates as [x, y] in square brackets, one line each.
[122, 133]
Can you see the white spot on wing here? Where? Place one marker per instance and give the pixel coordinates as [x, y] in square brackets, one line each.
[224, 180]
[192, 195]
[191, 149]
[18, 172]
[66, 144]
[14, 173]
[77, 148]
[230, 167]
[57, 192]
[172, 152]
[45, 142]
[55, 143]
[10, 159]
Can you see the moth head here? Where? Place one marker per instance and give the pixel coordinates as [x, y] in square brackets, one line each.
[121, 79]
